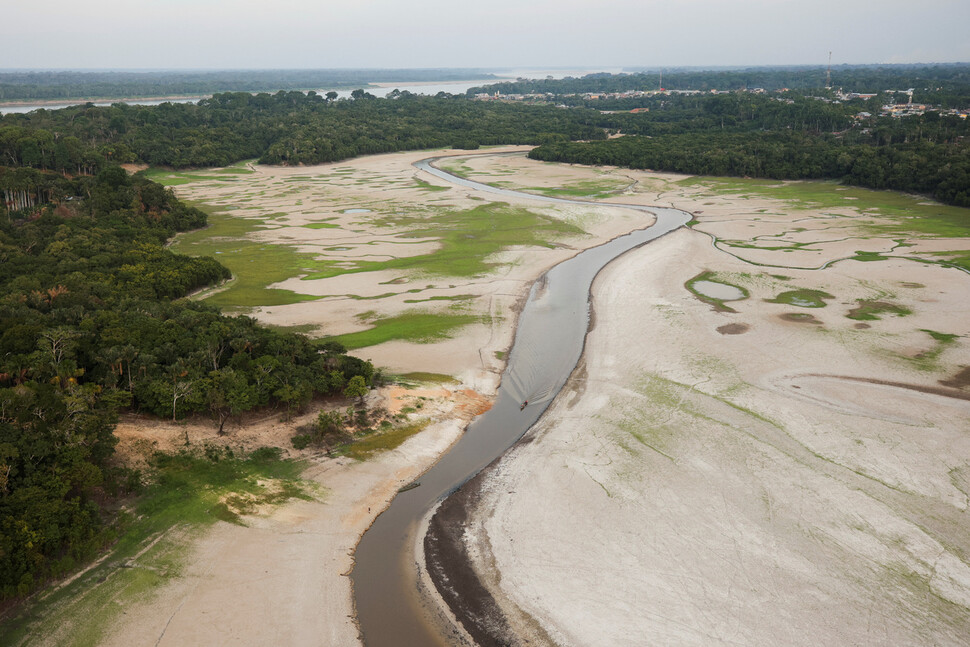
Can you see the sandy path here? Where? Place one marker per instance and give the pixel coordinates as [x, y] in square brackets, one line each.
[691, 487]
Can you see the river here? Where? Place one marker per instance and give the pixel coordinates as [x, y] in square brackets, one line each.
[548, 344]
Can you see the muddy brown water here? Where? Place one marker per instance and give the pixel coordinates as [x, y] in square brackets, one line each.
[548, 343]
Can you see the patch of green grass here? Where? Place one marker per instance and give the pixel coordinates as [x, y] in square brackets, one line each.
[957, 258]
[802, 298]
[871, 309]
[467, 238]
[928, 359]
[380, 441]
[422, 376]
[168, 177]
[908, 213]
[867, 257]
[189, 492]
[427, 186]
[500, 354]
[414, 327]
[591, 189]
[457, 297]
[719, 304]
[303, 329]
[254, 265]
[236, 169]
[322, 225]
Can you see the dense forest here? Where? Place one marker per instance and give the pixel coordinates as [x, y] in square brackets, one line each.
[785, 137]
[50, 85]
[282, 128]
[92, 324]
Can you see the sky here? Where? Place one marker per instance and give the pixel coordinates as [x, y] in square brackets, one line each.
[274, 34]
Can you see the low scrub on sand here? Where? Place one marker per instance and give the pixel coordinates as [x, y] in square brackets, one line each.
[187, 491]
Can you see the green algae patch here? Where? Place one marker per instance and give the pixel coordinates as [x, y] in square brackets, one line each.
[871, 310]
[373, 442]
[802, 298]
[704, 287]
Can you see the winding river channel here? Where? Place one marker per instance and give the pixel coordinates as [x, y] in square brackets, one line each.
[548, 344]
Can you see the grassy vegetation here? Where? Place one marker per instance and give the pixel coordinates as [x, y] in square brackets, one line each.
[802, 298]
[168, 177]
[928, 359]
[467, 238]
[423, 376]
[588, 189]
[427, 186]
[867, 257]
[959, 258]
[322, 225]
[910, 213]
[378, 441]
[190, 491]
[719, 304]
[899, 213]
[870, 309]
[416, 327]
[254, 265]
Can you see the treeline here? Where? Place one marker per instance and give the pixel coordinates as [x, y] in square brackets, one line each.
[947, 84]
[90, 324]
[283, 128]
[940, 170]
[49, 85]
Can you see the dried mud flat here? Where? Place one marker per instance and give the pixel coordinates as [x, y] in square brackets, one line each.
[693, 486]
[741, 477]
[282, 577]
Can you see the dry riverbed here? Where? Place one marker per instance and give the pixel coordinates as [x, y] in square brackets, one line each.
[716, 472]
[757, 471]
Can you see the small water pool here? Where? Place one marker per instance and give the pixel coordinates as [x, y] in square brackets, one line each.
[719, 291]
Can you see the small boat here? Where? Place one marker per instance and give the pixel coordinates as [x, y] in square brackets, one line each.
[523, 405]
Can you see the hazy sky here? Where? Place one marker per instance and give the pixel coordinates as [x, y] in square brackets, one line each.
[482, 33]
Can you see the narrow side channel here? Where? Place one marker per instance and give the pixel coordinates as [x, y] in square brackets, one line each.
[548, 344]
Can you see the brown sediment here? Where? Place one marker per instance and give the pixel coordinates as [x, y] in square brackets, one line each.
[862, 326]
[450, 568]
[799, 317]
[921, 388]
[733, 329]
[959, 381]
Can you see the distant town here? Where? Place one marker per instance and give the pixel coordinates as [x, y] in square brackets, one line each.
[908, 109]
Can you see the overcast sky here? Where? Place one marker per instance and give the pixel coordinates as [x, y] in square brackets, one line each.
[482, 33]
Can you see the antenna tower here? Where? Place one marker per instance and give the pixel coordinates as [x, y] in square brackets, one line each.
[828, 74]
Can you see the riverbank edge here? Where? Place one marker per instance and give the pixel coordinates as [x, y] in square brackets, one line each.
[456, 586]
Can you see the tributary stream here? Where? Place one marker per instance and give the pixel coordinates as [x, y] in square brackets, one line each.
[548, 344]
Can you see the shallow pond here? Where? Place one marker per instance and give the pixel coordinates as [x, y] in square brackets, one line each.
[719, 291]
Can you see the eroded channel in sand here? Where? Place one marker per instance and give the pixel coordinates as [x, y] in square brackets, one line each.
[548, 343]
